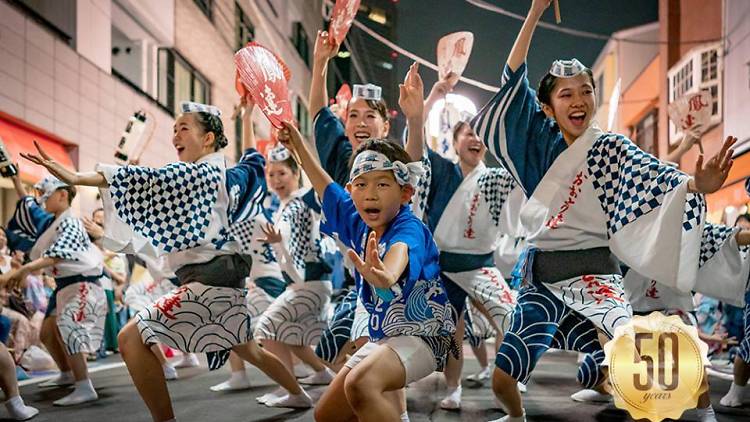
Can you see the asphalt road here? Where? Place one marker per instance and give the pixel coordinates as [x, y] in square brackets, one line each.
[547, 399]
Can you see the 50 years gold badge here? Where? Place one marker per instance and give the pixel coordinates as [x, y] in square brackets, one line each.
[656, 367]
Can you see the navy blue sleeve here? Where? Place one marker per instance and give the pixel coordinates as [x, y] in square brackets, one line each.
[29, 219]
[246, 185]
[334, 148]
[517, 132]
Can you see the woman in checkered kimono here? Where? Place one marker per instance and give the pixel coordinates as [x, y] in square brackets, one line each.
[591, 196]
[197, 213]
[74, 321]
[295, 320]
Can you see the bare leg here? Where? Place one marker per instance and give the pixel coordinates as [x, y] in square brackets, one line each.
[78, 364]
[236, 363]
[146, 373]
[159, 353]
[308, 356]
[454, 366]
[281, 351]
[8, 381]
[333, 405]
[505, 388]
[481, 354]
[368, 382]
[50, 337]
[13, 401]
[741, 371]
[269, 364]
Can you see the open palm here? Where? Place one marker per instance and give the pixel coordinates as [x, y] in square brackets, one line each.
[711, 177]
[372, 268]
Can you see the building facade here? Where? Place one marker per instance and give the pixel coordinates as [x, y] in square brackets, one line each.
[76, 70]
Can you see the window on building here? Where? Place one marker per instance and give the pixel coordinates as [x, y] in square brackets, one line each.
[301, 42]
[205, 7]
[57, 15]
[303, 117]
[179, 81]
[245, 31]
[698, 70]
[646, 132]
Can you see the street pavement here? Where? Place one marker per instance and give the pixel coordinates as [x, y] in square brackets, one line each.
[547, 399]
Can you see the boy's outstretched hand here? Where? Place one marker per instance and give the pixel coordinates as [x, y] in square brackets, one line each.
[372, 269]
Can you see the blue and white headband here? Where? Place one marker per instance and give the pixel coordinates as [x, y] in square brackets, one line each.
[191, 107]
[566, 68]
[405, 174]
[278, 154]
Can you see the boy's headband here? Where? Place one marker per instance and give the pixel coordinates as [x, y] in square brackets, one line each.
[405, 174]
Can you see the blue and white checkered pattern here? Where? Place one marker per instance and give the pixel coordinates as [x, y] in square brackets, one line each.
[714, 236]
[405, 174]
[171, 206]
[71, 238]
[422, 190]
[495, 185]
[630, 183]
[191, 107]
[302, 246]
[695, 209]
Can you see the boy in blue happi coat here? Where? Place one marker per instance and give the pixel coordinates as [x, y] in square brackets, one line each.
[398, 279]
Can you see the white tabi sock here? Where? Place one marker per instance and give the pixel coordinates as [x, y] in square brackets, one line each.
[84, 392]
[707, 414]
[18, 410]
[733, 398]
[237, 381]
[452, 400]
[65, 378]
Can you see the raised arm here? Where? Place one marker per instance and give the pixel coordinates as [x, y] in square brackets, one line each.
[18, 186]
[521, 47]
[248, 134]
[95, 179]
[441, 88]
[290, 137]
[411, 101]
[324, 51]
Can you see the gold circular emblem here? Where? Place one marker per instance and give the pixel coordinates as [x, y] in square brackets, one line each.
[656, 367]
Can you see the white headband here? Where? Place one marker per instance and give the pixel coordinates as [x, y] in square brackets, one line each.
[191, 107]
[405, 174]
[566, 68]
[278, 154]
[367, 92]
